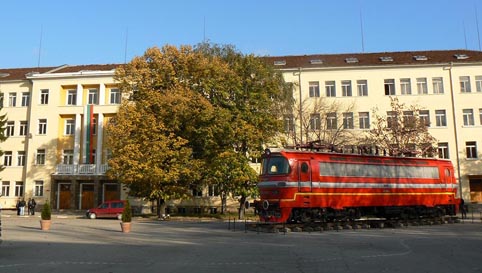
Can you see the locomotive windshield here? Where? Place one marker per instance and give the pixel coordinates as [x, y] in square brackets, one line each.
[275, 165]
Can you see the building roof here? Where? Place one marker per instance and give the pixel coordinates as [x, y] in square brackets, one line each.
[11, 74]
[376, 59]
[291, 62]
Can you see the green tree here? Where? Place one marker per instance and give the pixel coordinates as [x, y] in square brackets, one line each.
[204, 101]
[402, 131]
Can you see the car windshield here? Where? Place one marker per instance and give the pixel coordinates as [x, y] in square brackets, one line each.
[275, 165]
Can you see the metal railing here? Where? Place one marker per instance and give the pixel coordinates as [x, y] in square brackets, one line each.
[81, 169]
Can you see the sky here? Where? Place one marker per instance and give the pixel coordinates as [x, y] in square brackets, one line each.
[57, 32]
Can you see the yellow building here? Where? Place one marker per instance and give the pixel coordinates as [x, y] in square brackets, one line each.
[55, 123]
[55, 116]
[446, 84]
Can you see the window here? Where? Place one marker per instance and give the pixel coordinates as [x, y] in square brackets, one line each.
[362, 87]
[39, 188]
[422, 86]
[7, 158]
[1, 99]
[408, 118]
[213, 190]
[21, 158]
[471, 149]
[72, 97]
[425, 117]
[468, 115]
[315, 122]
[93, 96]
[391, 119]
[465, 84]
[5, 188]
[348, 120]
[364, 120]
[10, 128]
[25, 99]
[289, 125]
[405, 86]
[330, 88]
[40, 158]
[12, 99]
[478, 83]
[440, 118]
[197, 192]
[480, 116]
[42, 126]
[314, 89]
[23, 128]
[331, 123]
[44, 96]
[68, 157]
[443, 150]
[69, 126]
[346, 88]
[438, 85]
[115, 96]
[18, 188]
[389, 87]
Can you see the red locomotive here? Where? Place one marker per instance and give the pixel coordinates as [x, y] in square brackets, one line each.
[304, 186]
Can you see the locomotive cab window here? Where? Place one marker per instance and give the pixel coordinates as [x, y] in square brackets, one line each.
[275, 165]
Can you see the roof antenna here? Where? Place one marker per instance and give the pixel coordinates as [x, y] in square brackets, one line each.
[40, 46]
[361, 29]
[465, 36]
[204, 30]
[125, 45]
[477, 22]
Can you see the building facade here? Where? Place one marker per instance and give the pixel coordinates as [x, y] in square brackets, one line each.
[56, 152]
[446, 85]
[55, 147]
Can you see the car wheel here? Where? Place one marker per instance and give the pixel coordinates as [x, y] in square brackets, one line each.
[92, 216]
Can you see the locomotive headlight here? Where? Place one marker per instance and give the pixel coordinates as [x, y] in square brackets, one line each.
[265, 204]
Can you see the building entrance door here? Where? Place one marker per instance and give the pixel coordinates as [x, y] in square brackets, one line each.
[87, 193]
[64, 196]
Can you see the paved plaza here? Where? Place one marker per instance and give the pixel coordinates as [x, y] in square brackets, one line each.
[84, 245]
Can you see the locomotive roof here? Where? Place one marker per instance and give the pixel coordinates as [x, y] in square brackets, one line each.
[353, 155]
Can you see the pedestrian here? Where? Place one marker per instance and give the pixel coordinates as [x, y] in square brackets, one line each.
[463, 210]
[31, 206]
[22, 207]
[17, 206]
[28, 205]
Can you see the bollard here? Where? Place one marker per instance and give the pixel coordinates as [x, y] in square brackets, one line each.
[234, 224]
[229, 223]
[245, 226]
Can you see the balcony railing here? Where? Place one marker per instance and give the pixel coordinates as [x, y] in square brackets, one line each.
[81, 169]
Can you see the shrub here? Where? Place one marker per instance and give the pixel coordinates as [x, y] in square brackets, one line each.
[46, 211]
[127, 213]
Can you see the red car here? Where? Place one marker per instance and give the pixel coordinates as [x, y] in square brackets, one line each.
[108, 209]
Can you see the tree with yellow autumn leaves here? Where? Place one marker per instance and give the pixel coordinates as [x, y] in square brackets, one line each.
[194, 117]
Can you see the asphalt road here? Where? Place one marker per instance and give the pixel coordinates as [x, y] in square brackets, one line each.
[82, 245]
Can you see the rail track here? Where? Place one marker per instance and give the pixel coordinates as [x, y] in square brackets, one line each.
[367, 223]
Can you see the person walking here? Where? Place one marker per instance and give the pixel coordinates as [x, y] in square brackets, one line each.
[22, 207]
[463, 209]
[31, 206]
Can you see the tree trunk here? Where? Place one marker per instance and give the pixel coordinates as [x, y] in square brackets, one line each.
[223, 202]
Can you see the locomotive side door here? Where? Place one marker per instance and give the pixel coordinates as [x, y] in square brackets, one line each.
[304, 176]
